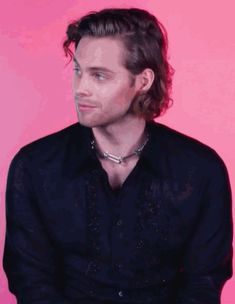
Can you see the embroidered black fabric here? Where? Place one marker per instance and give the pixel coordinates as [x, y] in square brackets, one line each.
[165, 237]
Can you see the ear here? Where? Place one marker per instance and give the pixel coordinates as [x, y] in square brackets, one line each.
[144, 80]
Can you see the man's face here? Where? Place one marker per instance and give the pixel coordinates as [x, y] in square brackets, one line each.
[102, 86]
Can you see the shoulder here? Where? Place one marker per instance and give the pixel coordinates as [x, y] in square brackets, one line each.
[52, 140]
[52, 146]
[187, 151]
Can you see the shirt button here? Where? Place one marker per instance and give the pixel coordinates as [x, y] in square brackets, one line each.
[120, 293]
[119, 223]
[119, 266]
[91, 292]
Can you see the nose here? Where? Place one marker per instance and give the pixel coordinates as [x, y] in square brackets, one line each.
[81, 86]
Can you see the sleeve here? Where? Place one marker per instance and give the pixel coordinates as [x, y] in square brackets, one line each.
[29, 259]
[207, 263]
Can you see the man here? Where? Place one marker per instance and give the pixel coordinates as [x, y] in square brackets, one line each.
[118, 208]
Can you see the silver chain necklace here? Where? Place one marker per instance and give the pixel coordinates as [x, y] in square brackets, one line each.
[118, 159]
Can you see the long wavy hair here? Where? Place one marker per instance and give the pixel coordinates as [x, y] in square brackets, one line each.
[146, 44]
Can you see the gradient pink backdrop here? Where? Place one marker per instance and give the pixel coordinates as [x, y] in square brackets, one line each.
[36, 86]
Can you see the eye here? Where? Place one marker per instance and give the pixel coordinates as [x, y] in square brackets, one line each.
[77, 70]
[99, 76]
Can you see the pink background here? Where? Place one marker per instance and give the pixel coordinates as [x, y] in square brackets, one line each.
[36, 96]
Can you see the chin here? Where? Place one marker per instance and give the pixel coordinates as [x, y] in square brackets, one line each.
[100, 122]
[89, 123]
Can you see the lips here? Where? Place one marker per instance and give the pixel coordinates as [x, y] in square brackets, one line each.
[85, 107]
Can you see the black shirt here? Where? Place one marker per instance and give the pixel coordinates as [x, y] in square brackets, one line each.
[165, 237]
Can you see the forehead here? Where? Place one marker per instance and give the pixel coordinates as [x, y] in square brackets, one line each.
[107, 52]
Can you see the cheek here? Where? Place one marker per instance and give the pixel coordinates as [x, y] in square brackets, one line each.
[74, 85]
[116, 93]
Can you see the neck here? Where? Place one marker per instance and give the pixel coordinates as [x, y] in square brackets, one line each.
[121, 139]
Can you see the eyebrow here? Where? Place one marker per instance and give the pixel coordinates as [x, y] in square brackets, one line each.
[95, 68]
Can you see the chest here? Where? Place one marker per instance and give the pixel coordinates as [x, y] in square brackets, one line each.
[148, 213]
[118, 173]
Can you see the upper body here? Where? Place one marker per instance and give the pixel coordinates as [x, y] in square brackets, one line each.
[143, 215]
[163, 237]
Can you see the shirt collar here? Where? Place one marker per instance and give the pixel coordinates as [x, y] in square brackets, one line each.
[153, 152]
[81, 157]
